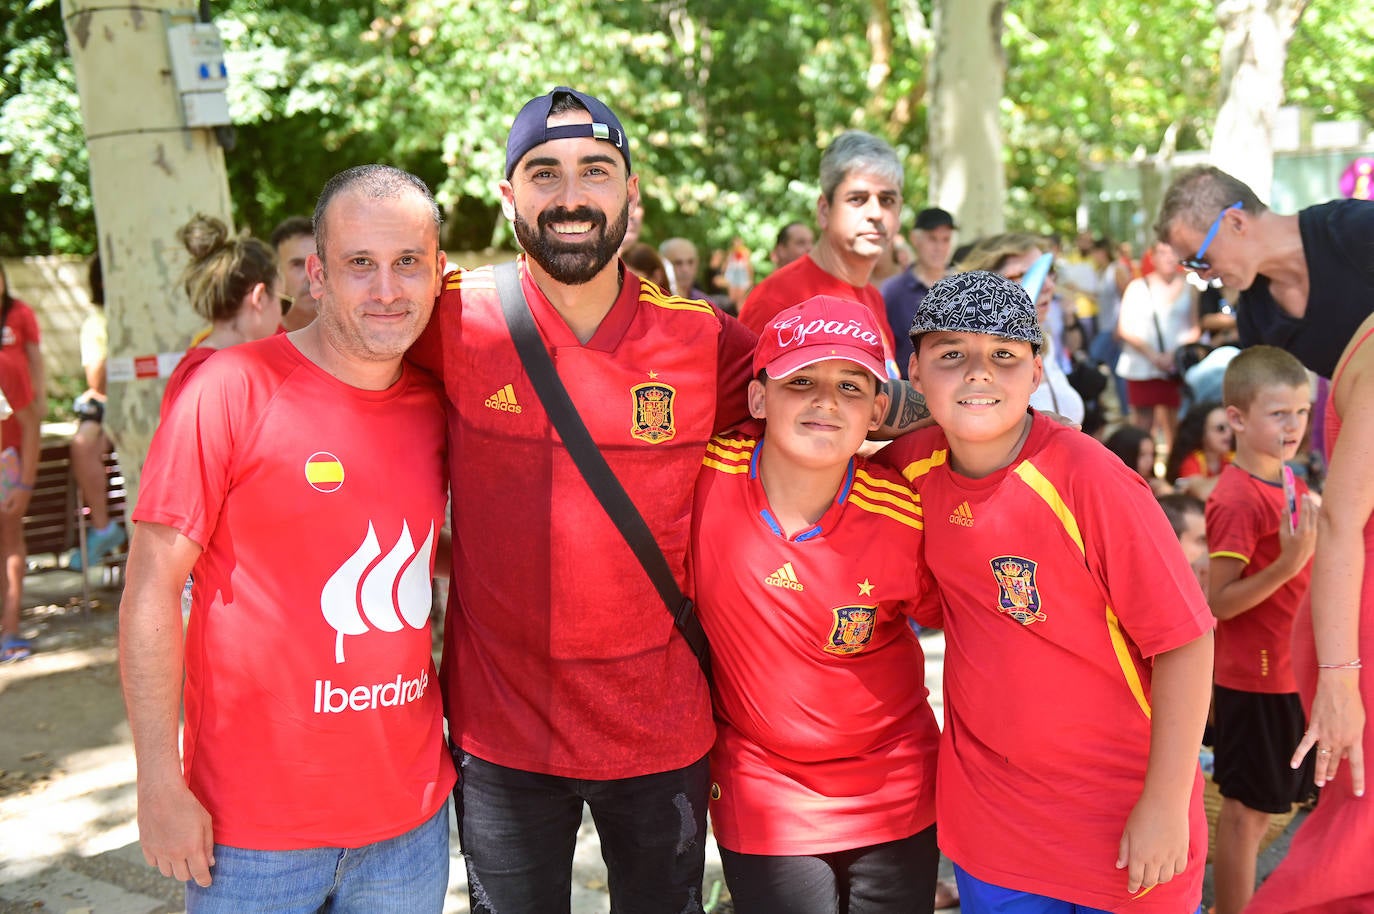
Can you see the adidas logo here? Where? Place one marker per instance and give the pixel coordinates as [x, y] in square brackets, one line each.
[504, 400]
[784, 577]
[963, 516]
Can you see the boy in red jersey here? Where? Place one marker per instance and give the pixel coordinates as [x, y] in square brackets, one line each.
[1261, 563]
[824, 789]
[1078, 643]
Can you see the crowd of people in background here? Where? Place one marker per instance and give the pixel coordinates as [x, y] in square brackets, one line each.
[1199, 367]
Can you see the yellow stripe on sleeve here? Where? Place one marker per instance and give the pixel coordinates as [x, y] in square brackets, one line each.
[1123, 659]
[859, 501]
[1245, 559]
[733, 448]
[733, 468]
[898, 498]
[918, 468]
[673, 303]
[880, 483]
[1046, 490]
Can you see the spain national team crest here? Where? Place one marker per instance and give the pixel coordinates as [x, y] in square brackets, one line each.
[653, 418]
[852, 630]
[1017, 595]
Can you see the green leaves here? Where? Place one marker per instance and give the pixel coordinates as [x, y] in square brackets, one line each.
[729, 104]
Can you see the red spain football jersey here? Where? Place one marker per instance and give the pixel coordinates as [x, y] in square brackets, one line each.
[313, 709]
[559, 655]
[1195, 464]
[797, 282]
[1254, 649]
[1060, 578]
[826, 740]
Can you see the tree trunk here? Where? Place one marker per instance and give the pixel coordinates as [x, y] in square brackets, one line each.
[1254, 49]
[879, 35]
[968, 71]
[149, 176]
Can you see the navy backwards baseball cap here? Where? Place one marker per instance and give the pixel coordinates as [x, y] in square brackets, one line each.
[530, 128]
[978, 302]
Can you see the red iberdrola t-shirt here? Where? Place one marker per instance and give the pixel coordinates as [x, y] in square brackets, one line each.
[313, 710]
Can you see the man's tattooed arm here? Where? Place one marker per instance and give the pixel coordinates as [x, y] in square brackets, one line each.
[906, 411]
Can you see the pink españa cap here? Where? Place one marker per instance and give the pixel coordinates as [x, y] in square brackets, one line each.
[820, 328]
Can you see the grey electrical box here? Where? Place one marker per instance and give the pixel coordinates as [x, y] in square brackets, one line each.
[199, 73]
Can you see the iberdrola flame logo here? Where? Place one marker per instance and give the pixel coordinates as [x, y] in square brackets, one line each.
[395, 591]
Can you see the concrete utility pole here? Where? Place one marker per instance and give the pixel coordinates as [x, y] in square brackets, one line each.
[149, 175]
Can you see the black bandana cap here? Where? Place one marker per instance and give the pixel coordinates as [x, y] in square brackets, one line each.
[978, 302]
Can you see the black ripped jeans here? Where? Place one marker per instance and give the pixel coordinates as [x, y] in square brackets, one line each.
[518, 830]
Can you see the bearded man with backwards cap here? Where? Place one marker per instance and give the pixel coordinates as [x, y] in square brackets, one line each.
[565, 681]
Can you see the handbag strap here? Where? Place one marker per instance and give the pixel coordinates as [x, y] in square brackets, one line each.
[600, 478]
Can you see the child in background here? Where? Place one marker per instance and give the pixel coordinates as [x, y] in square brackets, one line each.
[1078, 649]
[1203, 446]
[1187, 516]
[21, 442]
[1136, 449]
[1261, 563]
[824, 762]
[21, 379]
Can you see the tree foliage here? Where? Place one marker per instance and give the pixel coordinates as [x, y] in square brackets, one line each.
[729, 104]
[45, 200]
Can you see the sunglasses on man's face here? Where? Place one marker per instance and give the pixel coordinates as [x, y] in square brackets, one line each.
[1196, 262]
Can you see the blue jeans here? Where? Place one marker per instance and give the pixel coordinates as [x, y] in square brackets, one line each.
[407, 874]
[979, 897]
[518, 830]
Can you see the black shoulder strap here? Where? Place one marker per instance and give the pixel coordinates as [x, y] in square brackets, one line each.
[591, 464]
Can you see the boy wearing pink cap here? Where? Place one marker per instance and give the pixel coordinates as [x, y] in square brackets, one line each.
[824, 763]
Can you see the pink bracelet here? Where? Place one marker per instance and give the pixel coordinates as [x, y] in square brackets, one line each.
[1348, 665]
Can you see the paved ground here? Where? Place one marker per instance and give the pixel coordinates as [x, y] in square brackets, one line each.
[68, 839]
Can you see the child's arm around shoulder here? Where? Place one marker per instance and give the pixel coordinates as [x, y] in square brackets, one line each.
[1154, 843]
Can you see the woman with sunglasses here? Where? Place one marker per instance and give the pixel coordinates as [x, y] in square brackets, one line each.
[1327, 867]
[1158, 314]
[232, 283]
[1302, 281]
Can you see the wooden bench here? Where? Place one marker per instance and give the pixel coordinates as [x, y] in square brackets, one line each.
[57, 519]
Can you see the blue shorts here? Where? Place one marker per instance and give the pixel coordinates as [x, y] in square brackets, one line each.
[979, 897]
[407, 874]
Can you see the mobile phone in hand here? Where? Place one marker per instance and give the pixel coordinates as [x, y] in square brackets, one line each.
[1290, 496]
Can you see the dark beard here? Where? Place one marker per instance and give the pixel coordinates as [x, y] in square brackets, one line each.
[572, 264]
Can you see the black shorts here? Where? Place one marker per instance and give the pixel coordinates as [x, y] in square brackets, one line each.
[1255, 735]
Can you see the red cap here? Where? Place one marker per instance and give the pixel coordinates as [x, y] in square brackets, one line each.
[820, 328]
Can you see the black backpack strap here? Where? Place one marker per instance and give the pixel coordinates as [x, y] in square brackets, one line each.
[600, 478]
